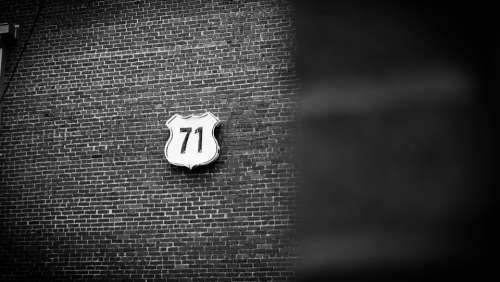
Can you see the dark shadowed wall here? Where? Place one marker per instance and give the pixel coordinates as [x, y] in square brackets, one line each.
[398, 108]
[86, 192]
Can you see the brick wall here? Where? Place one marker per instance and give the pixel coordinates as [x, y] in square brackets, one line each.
[86, 192]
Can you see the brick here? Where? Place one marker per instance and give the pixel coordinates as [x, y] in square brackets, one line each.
[86, 192]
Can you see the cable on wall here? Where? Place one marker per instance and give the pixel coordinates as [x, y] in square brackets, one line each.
[40, 7]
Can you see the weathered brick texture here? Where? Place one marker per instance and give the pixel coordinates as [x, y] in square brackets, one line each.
[86, 192]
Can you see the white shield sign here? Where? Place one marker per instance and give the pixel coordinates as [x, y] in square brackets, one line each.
[192, 141]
